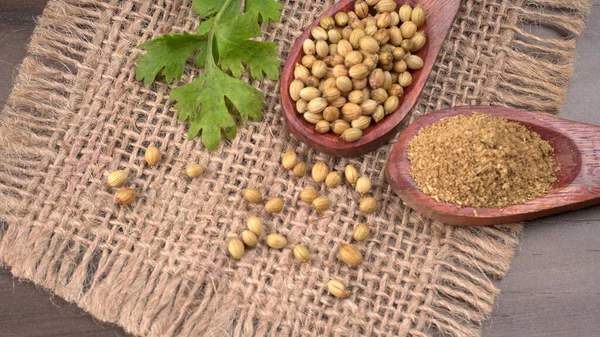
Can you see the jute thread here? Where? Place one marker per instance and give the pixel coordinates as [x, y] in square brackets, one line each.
[160, 267]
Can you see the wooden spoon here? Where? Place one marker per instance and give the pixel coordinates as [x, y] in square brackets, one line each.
[439, 17]
[576, 150]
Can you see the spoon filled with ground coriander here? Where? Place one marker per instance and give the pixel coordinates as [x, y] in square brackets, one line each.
[482, 165]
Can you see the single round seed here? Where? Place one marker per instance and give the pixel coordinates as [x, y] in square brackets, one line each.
[337, 289]
[361, 232]
[418, 16]
[253, 195]
[317, 105]
[276, 241]
[295, 87]
[321, 204]
[405, 13]
[331, 114]
[274, 205]
[125, 197]
[327, 22]
[318, 33]
[308, 195]
[405, 79]
[194, 170]
[319, 171]
[301, 106]
[368, 107]
[322, 127]
[408, 29]
[414, 62]
[351, 110]
[339, 126]
[395, 90]
[361, 122]
[322, 48]
[301, 253]
[363, 185]
[255, 225]
[312, 118]
[350, 255]
[391, 104]
[289, 160]
[341, 19]
[300, 169]
[236, 248]
[117, 178]
[333, 179]
[152, 155]
[351, 174]
[301, 72]
[309, 47]
[368, 205]
[351, 135]
[249, 238]
[308, 61]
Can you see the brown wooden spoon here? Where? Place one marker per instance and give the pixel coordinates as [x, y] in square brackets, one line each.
[576, 150]
[439, 17]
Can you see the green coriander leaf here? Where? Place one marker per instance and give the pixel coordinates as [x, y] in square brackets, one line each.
[167, 54]
[206, 8]
[234, 47]
[205, 26]
[266, 9]
[203, 103]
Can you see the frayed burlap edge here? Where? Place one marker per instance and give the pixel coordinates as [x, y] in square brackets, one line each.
[45, 85]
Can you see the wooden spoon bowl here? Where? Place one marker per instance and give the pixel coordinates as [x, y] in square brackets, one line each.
[576, 150]
[439, 17]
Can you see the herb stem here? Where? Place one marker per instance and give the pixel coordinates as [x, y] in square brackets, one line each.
[211, 36]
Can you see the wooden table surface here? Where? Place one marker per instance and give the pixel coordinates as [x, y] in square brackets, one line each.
[552, 289]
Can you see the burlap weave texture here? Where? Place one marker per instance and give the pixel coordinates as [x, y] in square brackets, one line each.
[160, 267]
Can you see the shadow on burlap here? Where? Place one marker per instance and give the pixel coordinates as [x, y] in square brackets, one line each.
[161, 268]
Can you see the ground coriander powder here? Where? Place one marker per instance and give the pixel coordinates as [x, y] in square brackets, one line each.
[481, 161]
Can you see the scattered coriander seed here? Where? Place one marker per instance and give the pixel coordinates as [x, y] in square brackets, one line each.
[351, 174]
[337, 289]
[253, 195]
[361, 232]
[308, 195]
[333, 179]
[194, 170]
[301, 253]
[274, 205]
[125, 197]
[300, 169]
[249, 238]
[152, 155]
[117, 178]
[236, 248]
[368, 205]
[319, 172]
[289, 159]
[321, 204]
[350, 255]
[255, 225]
[363, 185]
[276, 241]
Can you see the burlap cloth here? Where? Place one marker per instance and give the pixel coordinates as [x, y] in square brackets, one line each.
[161, 268]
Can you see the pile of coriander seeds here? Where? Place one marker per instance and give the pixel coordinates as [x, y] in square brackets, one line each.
[356, 66]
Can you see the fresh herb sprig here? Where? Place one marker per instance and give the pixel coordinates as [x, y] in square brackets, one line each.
[221, 45]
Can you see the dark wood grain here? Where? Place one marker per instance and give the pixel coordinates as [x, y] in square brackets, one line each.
[439, 17]
[577, 151]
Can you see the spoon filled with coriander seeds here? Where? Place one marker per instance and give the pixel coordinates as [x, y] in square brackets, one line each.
[483, 165]
[358, 69]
